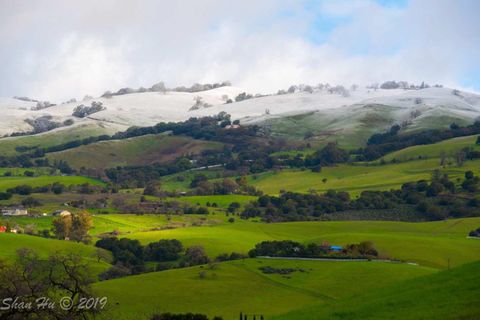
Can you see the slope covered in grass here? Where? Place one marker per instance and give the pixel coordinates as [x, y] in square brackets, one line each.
[448, 147]
[59, 136]
[450, 294]
[10, 243]
[356, 178]
[133, 151]
[434, 244]
[239, 286]
[10, 182]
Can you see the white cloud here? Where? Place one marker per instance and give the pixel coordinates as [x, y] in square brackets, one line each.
[81, 66]
[90, 46]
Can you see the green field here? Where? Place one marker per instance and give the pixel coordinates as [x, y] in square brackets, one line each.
[126, 223]
[449, 147]
[10, 182]
[238, 286]
[10, 243]
[356, 178]
[451, 294]
[223, 201]
[141, 150]
[432, 244]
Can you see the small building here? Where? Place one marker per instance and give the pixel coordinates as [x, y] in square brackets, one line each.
[336, 248]
[3, 229]
[14, 212]
[61, 213]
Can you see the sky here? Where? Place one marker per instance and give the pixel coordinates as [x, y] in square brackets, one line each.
[56, 50]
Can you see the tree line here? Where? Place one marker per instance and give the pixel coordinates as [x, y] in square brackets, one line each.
[436, 200]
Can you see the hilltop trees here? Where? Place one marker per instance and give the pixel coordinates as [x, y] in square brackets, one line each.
[289, 248]
[82, 111]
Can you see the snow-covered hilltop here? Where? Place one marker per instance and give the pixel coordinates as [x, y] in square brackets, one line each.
[148, 108]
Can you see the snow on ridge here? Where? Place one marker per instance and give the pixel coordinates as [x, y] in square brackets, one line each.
[149, 108]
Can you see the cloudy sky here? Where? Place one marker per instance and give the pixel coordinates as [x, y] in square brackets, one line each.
[56, 49]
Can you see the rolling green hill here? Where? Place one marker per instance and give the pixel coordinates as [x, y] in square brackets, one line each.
[433, 244]
[11, 242]
[356, 178]
[239, 286]
[141, 150]
[10, 182]
[449, 147]
[451, 294]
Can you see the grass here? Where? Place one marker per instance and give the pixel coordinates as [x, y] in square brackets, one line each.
[449, 147]
[433, 244]
[355, 178]
[181, 181]
[238, 286]
[10, 182]
[451, 294]
[10, 243]
[56, 137]
[125, 223]
[223, 201]
[133, 151]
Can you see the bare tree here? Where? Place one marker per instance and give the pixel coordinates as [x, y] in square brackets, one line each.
[32, 281]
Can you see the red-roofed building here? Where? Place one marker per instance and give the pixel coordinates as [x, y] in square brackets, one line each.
[3, 229]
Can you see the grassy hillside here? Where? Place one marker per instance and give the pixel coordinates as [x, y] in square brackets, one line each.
[56, 137]
[434, 244]
[11, 242]
[449, 147]
[239, 286]
[10, 182]
[223, 201]
[126, 223]
[356, 178]
[133, 151]
[451, 294]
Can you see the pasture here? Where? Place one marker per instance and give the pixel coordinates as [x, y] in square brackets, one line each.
[356, 178]
[38, 181]
[433, 244]
[449, 147]
[232, 287]
[141, 150]
[451, 294]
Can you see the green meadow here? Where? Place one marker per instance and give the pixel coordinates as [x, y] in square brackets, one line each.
[229, 288]
[10, 182]
[450, 294]
[10, 243]
[448, 147]
[433, 244]
[356, 178]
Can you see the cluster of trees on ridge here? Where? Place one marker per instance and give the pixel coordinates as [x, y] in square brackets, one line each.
[436, 200]
[129, 256]
[289, 248]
